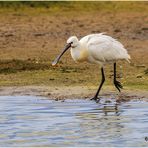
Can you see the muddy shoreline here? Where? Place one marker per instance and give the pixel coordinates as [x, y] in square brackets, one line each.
[75, 92]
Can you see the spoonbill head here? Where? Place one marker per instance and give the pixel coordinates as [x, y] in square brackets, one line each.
[72, 42]
[98, 49]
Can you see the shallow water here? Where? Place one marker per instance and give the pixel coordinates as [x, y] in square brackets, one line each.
[37, 121]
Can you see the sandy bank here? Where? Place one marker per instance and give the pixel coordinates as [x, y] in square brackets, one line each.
[74, 92]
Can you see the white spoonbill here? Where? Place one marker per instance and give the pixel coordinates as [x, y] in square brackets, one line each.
[99, 49]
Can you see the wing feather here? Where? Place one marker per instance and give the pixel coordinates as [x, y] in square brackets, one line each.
[105, 48]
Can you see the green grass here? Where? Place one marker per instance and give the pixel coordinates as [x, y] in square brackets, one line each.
[75, 6]
[22, 73]
[15, 65]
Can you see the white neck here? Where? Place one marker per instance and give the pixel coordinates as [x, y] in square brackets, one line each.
[79, 53]
[75, 52]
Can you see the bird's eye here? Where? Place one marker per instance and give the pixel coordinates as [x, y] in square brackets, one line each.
[71, 42]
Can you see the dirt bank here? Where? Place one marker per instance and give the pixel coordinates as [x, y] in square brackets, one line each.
[61, 93]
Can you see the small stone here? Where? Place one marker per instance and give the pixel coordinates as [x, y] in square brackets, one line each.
[139, 76]
[81, 25]
[117, 30]
[56, 99]
[49, 94]
[51, 79]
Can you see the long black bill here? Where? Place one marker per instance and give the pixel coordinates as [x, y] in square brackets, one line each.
[58, 58]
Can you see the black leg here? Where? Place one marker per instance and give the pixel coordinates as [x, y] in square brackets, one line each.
[103, 80]
[116, 83]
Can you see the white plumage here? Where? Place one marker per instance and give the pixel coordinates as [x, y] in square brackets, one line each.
[99, 49]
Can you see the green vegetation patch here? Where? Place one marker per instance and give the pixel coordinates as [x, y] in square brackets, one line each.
[16, 65]
[12, 66]
[76, 5]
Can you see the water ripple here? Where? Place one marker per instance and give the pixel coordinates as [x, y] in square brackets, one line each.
[37, 121]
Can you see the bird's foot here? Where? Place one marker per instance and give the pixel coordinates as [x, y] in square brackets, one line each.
[118, 85]
[96, 99]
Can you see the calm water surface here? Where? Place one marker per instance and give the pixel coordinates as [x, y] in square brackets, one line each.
[37, 121]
